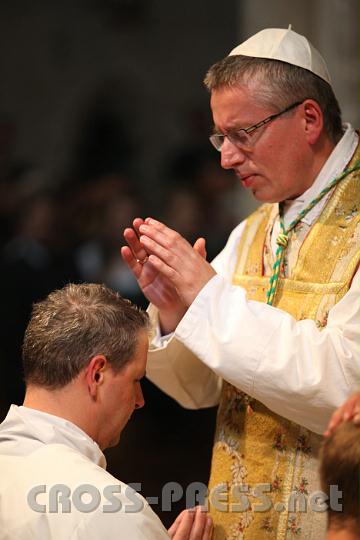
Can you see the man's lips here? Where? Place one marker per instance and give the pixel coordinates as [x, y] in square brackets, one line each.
[247, 179]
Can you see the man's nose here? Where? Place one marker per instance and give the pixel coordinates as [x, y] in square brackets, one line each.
[231, 155]
[139, 398]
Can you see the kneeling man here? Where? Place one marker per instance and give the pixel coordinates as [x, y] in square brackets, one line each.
[84, 355]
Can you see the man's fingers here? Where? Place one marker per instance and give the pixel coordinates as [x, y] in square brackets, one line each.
[174, 527]
[164, 269]
[208, 529]
[131, 237]
[153, 248]
[185, 526]
[161, 235]
[157, 225]
[198, 528]
[349, 411]
[335, 420]
[134, 244]
[200, 247]
[131, 261]
[127, 255]
[192, 524]
[136, 223]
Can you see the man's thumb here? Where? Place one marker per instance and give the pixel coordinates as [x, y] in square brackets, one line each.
[200, 247]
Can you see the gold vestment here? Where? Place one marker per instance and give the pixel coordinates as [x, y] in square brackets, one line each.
[254, 448]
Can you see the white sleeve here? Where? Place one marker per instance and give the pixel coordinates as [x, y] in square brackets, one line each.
[173, 367]
[290, 366]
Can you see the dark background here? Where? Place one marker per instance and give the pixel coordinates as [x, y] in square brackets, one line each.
[103, 118]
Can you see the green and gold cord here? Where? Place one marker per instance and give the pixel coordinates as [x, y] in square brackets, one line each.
[283, 238]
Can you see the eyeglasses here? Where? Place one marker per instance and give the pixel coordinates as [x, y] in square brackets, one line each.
[243, 137]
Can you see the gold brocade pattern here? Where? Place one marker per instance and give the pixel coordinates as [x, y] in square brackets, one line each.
[254, 446]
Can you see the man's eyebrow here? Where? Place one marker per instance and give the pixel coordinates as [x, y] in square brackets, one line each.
[234, 127]
[216, 131]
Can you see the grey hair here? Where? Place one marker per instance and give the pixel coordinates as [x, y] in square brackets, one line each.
[273, 81]
[74, 324]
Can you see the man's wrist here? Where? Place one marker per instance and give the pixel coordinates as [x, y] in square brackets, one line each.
[168, 320]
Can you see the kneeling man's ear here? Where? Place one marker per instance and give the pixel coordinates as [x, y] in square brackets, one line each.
[94, 373]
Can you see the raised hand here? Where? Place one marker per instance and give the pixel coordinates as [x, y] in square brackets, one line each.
[155, 286]
[175, 259]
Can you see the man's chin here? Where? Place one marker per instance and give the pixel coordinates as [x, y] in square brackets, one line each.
[114, 442]
[264, 197]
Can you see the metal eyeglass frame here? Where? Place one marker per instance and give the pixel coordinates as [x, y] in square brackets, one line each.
[217, 139]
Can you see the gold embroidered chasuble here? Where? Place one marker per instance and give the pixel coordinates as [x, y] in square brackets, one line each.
[263, 463]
